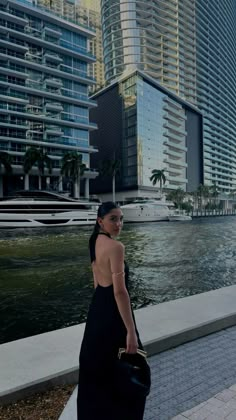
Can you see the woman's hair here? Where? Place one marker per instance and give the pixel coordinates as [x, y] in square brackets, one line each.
[103, 210]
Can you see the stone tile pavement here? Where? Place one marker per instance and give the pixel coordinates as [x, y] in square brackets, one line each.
[221, 406]
[196, 380]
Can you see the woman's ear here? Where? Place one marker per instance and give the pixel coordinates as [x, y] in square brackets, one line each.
[99, 220]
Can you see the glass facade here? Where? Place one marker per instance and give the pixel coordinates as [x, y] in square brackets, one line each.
[44, 83]
[154, 135]
[216, 89]
[189, 47]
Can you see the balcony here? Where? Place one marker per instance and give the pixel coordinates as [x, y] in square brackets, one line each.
[13, 71]
[5, 41]
[175, 147]
[77, 49]
[16, 97]
[12, 107]
[13, 123]
[35, 56]
[33, 31]
[12, 17]
[177, 164]
[53, 106]
[52, 81]
[51, 56]
[74, 71]
[53, 130]
[51, 32]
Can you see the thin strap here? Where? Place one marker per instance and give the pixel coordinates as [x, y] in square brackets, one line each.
[104, 233]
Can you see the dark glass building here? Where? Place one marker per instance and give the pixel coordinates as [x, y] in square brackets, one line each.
[147, 127]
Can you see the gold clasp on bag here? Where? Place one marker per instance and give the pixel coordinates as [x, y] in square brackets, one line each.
[139, 351]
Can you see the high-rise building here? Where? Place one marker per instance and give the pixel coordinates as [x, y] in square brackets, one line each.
[146, 126]
[44, 85]
[189, 46]
[87, 13]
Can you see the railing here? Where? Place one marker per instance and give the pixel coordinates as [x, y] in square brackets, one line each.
[12, 107]
[23, 123]
[76, 95]
[29, 4]
[71, 142]
[74, 118]
[76, 72]
[19, 95]
[14, 82]
[216, 212]
[76, 48]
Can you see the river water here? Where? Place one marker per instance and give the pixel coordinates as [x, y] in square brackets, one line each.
[46, 281]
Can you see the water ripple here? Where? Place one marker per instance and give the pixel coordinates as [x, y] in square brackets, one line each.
[46, 280]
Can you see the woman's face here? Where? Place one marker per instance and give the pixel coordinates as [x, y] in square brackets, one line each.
[112, 223]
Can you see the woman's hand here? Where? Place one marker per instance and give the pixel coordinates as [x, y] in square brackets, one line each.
[131, 342]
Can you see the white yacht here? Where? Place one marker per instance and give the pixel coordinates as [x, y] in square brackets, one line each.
[44, 209]
[149, 210]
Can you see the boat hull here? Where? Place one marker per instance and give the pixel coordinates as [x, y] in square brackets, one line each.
[138, 214]
[69, 218]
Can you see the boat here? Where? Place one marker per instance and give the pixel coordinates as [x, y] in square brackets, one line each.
[179, 215]
[45, 209]
[149, 210]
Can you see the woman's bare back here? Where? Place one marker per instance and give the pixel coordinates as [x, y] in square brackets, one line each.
[101, 267]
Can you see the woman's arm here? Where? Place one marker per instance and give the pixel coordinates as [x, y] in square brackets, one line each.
[122, 296]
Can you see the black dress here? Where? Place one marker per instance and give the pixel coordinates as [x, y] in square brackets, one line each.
[104, 334]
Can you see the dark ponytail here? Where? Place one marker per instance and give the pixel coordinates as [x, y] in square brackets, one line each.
[103, 209]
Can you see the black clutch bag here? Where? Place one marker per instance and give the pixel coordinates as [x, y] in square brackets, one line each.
[132, 374]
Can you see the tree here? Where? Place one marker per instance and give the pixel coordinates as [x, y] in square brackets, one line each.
[177, 196]
[111, 167]
[158, 175]
[5, 160]
[233, 194]
[34, 156]
[203, 192]
[214, 192]
[194, 194]
[73, 168]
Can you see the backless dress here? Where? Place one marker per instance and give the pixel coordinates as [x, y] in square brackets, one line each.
[104, 334]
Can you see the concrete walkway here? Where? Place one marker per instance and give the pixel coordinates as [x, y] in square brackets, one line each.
[189, 381]
[38, 362]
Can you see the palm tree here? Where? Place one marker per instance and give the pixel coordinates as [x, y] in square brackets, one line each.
[158, 175]
[5, 160]
[35, 156]
[73, 167]
[111, 167]
[177, 196]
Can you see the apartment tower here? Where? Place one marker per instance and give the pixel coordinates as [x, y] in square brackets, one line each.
[88, 14]
[44, 84]
[189, 46]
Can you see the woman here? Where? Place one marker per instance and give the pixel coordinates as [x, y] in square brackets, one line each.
[110, 325]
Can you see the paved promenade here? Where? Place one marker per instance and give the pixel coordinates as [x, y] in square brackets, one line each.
[184, 378]
[191, 342]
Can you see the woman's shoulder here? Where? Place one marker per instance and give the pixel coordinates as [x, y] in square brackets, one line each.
[116, 246]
